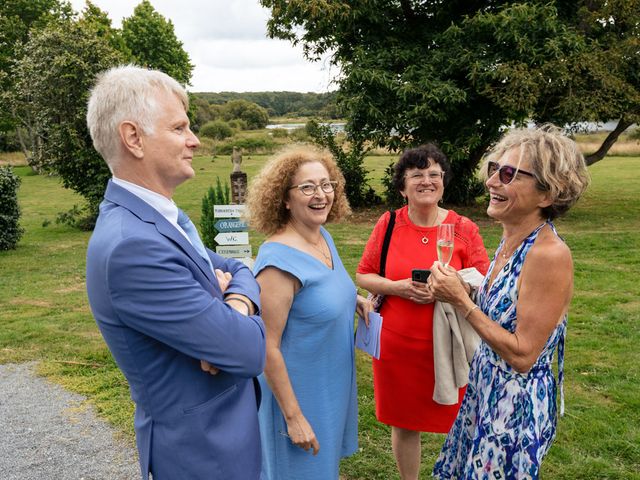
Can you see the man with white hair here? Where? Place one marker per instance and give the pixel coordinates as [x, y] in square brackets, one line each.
[180, 321]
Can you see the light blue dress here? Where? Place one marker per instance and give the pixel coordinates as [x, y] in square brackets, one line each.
[318, 349]
[507, 420]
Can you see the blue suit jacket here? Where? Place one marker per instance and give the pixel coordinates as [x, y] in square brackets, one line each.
[160, 311]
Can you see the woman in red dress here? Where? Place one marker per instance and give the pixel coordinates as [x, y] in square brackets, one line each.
[404, 374]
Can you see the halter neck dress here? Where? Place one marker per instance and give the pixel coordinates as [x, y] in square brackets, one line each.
[507, 420]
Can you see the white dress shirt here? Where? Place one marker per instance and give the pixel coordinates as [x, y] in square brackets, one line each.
[164, 206]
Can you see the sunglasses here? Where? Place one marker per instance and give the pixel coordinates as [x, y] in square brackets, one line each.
[506, 173]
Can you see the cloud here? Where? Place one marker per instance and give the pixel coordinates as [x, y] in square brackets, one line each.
[227, 43]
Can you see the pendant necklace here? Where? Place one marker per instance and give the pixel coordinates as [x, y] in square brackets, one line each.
[424, 239]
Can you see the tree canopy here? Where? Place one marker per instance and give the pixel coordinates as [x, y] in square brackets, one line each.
[253, 115]
[459, 72]
[153, 43]
[282, 104]
[53, 79]
[17, 18]
[52, 71]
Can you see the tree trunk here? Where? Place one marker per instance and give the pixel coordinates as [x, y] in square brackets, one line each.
[623, 124]
[26, 151]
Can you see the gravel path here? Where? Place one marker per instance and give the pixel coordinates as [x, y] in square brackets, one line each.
[49, 433]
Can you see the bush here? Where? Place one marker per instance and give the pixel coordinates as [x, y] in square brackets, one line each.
[10, 231]
[259, 144]
[299, 134]
[351, 163]
[217, 196]
[393, 198]
[279, 133]
[238, 124]
[216, 129]
[253, 114]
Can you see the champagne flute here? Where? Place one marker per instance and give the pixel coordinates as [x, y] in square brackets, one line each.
[445, 243]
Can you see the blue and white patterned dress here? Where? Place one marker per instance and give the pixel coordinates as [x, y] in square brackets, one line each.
[507, 420]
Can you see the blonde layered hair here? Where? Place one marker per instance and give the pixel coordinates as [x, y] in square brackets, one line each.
[269, 190]
[556, 162]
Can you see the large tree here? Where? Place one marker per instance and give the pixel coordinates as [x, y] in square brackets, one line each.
[458, 72]
[151, 39]
[252, 114]
[52, 81]
[17, 19]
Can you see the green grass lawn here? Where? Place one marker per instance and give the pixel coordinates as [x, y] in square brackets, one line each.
[44, 316]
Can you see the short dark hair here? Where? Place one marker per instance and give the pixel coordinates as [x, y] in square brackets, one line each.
[420, 157]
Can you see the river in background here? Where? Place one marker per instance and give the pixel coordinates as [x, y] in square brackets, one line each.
[337, 127]
[581, 127]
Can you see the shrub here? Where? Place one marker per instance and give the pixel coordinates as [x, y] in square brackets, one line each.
[393, 198]
[253, 114]
[238, 124]
[279, 133]
[258, 144]
[299, 134]
[351, 163]
[10, 231]
[216, 129]
[217, 196]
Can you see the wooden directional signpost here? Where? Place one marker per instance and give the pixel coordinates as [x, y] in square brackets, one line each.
[233, 237]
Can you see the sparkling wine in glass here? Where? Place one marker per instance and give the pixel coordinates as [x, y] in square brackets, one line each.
[445, 243]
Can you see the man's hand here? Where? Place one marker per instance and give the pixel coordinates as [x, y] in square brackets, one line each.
[207, 367]
[224, 278]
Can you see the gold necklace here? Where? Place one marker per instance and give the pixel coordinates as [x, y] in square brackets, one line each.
[504, 255]
[432, 223]
[327, 258]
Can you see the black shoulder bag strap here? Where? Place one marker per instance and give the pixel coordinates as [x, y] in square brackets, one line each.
[385, 244]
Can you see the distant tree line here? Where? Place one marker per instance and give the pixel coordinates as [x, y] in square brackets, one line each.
[282, 104]
[237, 114]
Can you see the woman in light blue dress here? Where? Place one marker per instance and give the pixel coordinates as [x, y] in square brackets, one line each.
[308, 414]
[507, 420]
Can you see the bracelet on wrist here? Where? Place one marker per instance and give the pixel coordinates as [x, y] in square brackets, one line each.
[466, 315]
[241, 300]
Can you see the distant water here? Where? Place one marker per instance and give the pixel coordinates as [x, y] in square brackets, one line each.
[336, 127]
[589, 127]
[586, 127]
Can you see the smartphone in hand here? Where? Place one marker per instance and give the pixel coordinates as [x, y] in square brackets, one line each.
[420, 275]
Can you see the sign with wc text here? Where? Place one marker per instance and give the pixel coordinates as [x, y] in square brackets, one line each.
[232, 238]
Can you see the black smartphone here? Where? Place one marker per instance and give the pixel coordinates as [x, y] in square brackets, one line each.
[420, 275]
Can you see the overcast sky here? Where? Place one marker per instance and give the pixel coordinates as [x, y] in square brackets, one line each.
[227, 43]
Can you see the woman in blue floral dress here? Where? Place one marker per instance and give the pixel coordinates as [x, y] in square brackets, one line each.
[507, 420]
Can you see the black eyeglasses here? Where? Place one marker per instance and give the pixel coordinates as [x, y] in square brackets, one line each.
[506, 173]
[309, 189]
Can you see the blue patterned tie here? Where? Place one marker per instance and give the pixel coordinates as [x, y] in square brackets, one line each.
[190, 229]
